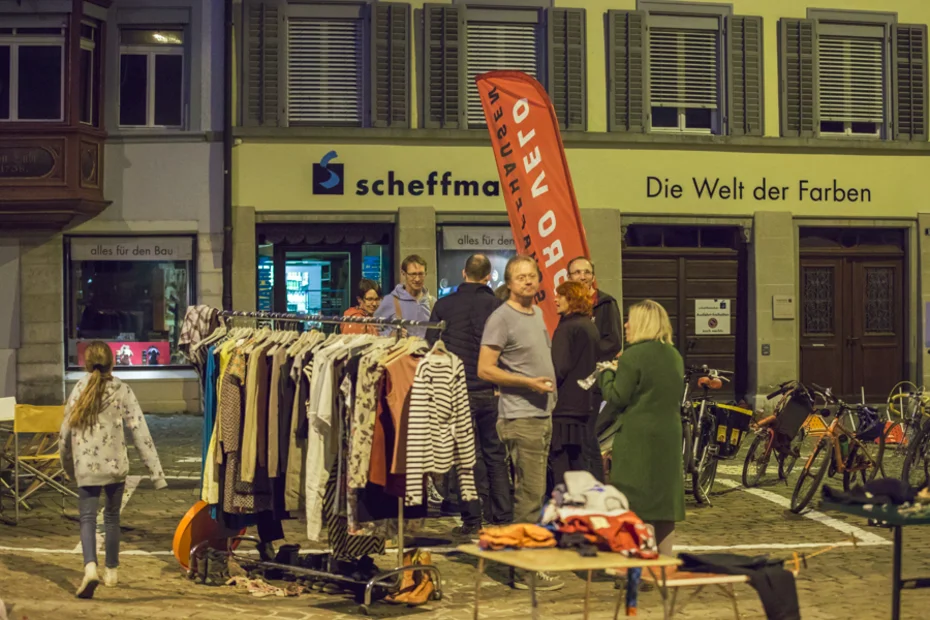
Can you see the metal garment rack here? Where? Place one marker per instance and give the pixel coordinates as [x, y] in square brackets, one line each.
[388, 579]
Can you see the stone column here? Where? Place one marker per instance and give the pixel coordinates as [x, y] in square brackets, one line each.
[923, 285]
[416, 234]
[9, 314]
[40, 363]
[773, 271]
[603, 230]
[245, 261]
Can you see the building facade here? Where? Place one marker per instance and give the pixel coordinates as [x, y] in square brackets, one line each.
[110, 190]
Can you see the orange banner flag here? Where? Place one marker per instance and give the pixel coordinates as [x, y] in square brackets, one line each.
[535, 181]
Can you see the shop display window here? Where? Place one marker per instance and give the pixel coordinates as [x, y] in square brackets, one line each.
[131, 293]
[457, 243]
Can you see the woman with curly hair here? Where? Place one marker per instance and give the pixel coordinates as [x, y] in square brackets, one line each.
[93, 453]
[574, 356]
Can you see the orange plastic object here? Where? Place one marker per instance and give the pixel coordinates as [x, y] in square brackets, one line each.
[195, 527]
[713, 384]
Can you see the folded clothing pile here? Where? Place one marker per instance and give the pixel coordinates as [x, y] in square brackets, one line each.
[587, 515]
[516, 536]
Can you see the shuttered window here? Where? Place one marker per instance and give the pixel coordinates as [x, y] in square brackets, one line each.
[498, 47]
[851, 87]
[845, 73]
[324, 71]
[674, 71]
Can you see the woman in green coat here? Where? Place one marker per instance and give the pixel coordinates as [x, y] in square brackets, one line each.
[644, 388]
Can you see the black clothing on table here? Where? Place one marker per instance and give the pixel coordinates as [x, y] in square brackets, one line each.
[775, 585]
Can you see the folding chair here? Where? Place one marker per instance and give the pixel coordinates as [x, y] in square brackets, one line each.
[40, 456]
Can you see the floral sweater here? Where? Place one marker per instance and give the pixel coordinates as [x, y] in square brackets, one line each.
[97, 456]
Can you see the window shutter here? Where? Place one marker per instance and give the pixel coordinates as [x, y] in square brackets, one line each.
[390, 53]
[850, 84]
[798, 69]
[626, 71]
[324, 67]
[909, 75]
[443, 45]
[498, 47]
[683, 68]
[746, 84]
[567, 67]
[262, 83]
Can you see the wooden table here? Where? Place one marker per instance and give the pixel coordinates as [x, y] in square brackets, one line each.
[897, 521]
[567, 560]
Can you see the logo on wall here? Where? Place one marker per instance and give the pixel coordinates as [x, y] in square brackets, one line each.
[328, 177]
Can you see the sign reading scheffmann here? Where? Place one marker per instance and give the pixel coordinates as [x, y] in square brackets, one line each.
[132, 248]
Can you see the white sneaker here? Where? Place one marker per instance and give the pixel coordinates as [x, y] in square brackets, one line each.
[110, 577]
[90, 582]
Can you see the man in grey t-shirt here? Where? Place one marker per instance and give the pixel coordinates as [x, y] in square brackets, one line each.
[515, 355]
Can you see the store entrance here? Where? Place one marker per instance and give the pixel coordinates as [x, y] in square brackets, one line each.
[699, 276]
[317, 271]
[852, 308]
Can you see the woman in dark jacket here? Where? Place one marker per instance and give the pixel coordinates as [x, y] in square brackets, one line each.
[645, 388]
[574, 356]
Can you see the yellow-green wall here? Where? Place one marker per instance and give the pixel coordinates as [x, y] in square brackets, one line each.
[278, 177]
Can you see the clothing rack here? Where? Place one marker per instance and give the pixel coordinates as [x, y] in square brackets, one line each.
[392, 578]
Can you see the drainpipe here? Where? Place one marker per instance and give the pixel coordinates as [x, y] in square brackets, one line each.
[227, 155]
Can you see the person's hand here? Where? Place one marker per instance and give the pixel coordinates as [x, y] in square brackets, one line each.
[612, 365]
[541, 385]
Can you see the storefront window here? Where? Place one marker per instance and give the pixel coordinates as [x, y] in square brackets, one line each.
[457, 243]
[131, 293]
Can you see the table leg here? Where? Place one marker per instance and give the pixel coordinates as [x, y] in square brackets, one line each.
[534, 604]
[896, 575]
[478, 586]
[664, 590]
[587, 595]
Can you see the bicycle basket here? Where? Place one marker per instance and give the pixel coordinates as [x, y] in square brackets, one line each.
[792, 416]
[732, 425]
[870, 425]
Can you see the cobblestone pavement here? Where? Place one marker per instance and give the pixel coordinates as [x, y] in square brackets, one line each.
[40, 562]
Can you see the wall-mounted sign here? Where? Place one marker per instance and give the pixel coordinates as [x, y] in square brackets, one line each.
[25, 162]
[711, 316]
[758, 190]
[782, 307]
[132, 248]
[477, 238]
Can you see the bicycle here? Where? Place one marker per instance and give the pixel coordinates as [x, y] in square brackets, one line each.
[710, 441]
[782, 433]
[911, 445]
[851, 453]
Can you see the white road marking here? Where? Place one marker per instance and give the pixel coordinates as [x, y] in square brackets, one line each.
[814, 515]
[190, 459]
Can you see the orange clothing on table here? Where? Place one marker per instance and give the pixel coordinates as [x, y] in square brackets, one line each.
[358, 328]
[516, 536]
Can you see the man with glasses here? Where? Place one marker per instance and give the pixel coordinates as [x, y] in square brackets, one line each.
[516, 355]
[606, 319]
[409, 300]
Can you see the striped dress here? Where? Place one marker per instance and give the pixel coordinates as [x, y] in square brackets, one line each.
[440, 434]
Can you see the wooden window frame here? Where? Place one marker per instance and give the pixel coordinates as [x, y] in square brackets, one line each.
[152, 52]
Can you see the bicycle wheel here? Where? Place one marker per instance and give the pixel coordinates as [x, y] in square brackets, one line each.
[687, 453]
[916, 470]
[865, 459]
[757, 459]
[786, 465]
[705, 472]
[812, 475]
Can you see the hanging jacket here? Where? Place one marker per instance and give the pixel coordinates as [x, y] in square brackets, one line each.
[411, 309]
[574, 356]
[607, 320]
[465, 312]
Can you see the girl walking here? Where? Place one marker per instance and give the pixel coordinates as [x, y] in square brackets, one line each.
[93, 453]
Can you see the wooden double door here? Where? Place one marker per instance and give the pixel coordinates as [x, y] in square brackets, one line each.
[852, 314]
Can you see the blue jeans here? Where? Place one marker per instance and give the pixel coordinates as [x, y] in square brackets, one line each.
[88, 500]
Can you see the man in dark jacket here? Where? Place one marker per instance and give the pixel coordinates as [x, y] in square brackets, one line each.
[607, 320]
[465, 312]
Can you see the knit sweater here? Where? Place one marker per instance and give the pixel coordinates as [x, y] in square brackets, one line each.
[97, 456]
